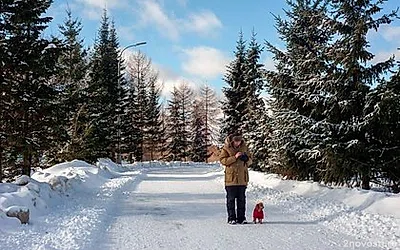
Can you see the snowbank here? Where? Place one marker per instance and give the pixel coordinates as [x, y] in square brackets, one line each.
[368, 215]
[48, 188]
[364, 200]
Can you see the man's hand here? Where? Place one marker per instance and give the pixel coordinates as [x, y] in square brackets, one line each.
[238, 154]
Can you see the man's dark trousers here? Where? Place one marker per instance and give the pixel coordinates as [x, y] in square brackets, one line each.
[238, 194]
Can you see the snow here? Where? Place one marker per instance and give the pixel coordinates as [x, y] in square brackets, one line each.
[157, 205]
[16, 209]
[50, 46]
[22, 180]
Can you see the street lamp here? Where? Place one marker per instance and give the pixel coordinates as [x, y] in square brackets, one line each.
[119, 103]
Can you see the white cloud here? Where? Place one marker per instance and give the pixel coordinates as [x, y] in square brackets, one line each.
[153, 13]
[204, 62]
[93, 9]
[385, 55]
[101, 4]
[169, 79]
[391, 33]
[269, 64]
[126, 32]
[205, 23]
[92, 13]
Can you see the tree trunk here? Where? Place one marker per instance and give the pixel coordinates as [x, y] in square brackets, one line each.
[26, 168]
[1, 162]
[365, 182]
[396, 188]
[130, 158]
[151, 150]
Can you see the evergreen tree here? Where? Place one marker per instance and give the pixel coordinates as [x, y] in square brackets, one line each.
[163, 145]
[5, 93]
[175, 128]
[234, 105]
[28, 96]
[319, 91]
[382, 123]
[254, 119]
[71, 79]
[155, 131]
[298, 88]
[345, 154]
[129, 127]
[115, 92]
[104, 93]
[199, 133]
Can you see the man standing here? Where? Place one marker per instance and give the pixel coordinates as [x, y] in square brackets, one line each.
[236, 159]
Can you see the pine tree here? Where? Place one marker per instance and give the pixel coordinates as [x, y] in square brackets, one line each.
[175, 128]
[298, 88]
[199, 133]
[129, 128]
[382, 123]
[104, 93]
[346, 151]
[234, 105]
[155, 130]
[27, 94]
[71, 79]
[254, 119]
[115, 92]
[163, 140]
[5, 93]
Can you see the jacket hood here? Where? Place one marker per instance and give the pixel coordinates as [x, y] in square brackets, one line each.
[228, 142]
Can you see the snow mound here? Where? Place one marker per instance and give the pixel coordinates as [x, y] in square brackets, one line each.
[22, 180]
[16, 209]
[367, 215]
[47, 188]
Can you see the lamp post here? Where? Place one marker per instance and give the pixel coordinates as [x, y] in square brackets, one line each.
[119, 110]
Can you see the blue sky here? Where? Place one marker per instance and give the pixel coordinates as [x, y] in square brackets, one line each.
[193, 40]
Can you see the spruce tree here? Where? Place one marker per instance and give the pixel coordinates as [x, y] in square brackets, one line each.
[175, 128]
[129, 128]
[163, 140]
[72, 79]
[253, 121]
[297, 88]
[199, 133]
[5, 93]
[382, 125]
[28, 66]
[346, 153]
[116, 85]
[104, 93]
[155, 131]
[234, 104]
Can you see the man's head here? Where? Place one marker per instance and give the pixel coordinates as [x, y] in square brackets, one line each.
[237, 140]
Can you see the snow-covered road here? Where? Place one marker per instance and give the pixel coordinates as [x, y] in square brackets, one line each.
[184, 208]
